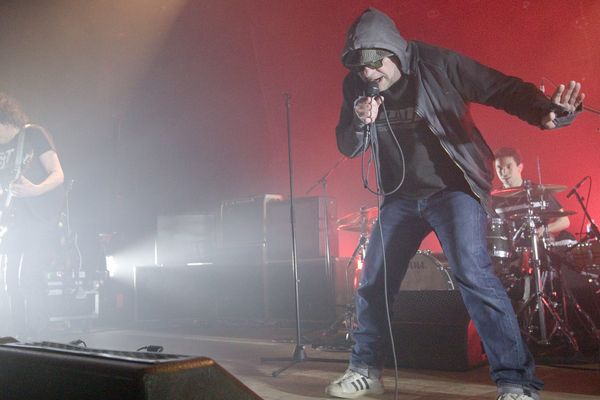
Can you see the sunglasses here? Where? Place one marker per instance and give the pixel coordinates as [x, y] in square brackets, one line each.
[371, 65]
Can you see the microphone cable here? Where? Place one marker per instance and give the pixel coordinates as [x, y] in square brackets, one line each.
[372, 139]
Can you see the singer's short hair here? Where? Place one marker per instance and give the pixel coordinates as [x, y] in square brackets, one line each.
[10, 112]
[508, 152]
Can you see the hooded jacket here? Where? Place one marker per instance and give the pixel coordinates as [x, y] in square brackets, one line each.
[446, 82]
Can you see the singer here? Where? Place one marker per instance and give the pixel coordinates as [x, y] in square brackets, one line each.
[30, 171]
[439, 182]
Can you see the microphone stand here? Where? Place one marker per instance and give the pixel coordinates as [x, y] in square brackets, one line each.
[593, 227]
[593, 232]
[299, 354]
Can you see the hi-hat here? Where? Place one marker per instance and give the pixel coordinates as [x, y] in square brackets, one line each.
[358, 221]
[536, 189]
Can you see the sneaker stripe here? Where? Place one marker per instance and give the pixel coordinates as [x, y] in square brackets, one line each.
[359, 382]
[366, 383]
[355, 386]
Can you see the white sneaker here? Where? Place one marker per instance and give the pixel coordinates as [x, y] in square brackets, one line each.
[514, 396]
[352, 385]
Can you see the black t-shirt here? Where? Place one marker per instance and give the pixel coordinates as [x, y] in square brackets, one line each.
[429, 168]
[44, 208]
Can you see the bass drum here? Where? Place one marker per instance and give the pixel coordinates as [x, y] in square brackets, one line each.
[427, 272]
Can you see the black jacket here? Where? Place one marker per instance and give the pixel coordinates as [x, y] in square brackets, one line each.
[446, 83]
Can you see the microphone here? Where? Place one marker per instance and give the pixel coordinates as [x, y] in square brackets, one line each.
[371, 90]
[572, 191]
[542, 87]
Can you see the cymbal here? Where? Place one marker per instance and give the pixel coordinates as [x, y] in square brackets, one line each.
[555, 214]
[518, 191]
[358, 221]
[520, 208]
[546, 214]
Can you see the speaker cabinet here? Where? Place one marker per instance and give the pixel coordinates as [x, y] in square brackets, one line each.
[185, 239]
[243, 220]
[309, 228]
[432, 330]
[42, 371]
[207, 292]
[315, 291]
[175, 293]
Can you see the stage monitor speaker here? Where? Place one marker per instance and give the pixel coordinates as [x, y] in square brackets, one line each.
[432, 330]
[309, 229]
[42, 371]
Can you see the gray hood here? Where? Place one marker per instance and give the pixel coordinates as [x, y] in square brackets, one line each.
[374, 29]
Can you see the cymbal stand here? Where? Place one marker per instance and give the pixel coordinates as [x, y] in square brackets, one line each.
[347, 319]
[539, 300]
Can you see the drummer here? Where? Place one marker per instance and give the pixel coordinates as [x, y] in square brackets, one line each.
[509, 169]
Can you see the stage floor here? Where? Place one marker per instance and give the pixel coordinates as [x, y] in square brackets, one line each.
[239, 349]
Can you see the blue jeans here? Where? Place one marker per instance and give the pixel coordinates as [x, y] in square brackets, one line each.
[460, 223]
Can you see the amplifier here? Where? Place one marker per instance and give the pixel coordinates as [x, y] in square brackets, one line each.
[243, 220]
[432, 330]
[309, 228]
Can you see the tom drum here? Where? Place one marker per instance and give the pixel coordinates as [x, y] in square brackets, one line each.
[500, 243]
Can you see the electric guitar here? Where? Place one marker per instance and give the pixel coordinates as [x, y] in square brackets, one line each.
[6, 195]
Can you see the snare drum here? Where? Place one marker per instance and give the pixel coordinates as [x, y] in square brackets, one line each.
[427, 272]
[500, 243]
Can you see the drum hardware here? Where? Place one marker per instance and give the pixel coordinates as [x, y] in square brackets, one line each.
[547, 312]
[567, 297]
[542, 302]
[361, 222]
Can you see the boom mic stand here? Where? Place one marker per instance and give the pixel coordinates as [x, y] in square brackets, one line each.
[593, 232]
[593, 227]
[299, 354]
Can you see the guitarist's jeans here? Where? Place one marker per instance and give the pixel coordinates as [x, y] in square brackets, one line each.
[27, 247]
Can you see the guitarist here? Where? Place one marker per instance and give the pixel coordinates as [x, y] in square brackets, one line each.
[30, 170]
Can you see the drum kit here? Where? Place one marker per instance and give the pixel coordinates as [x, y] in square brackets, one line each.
[529, 263]
[532, 264]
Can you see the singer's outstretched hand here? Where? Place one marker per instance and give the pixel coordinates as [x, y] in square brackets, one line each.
[569, 100]
[367, 108]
